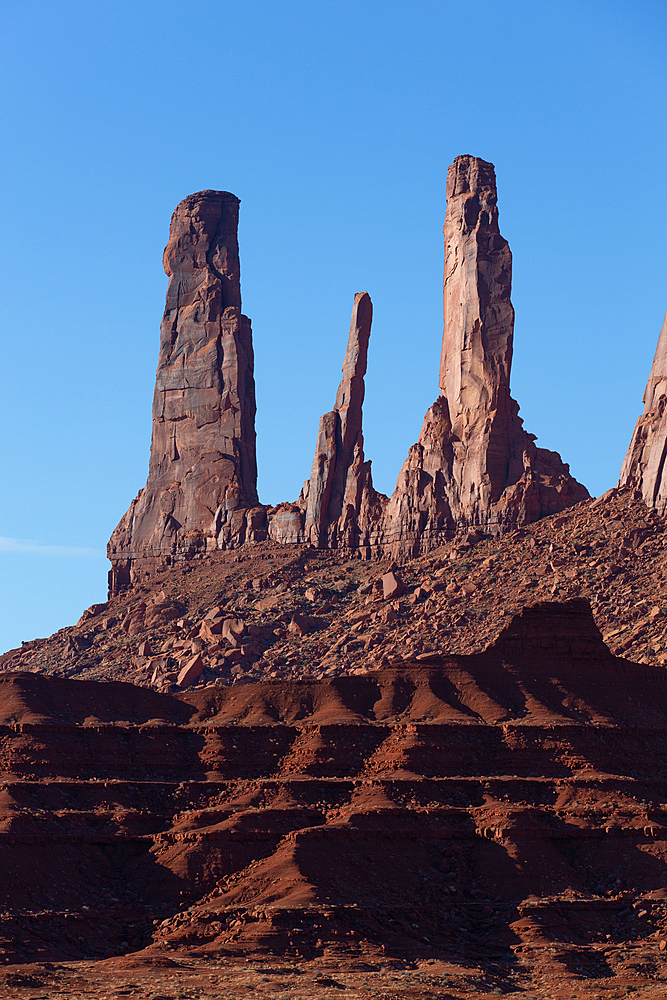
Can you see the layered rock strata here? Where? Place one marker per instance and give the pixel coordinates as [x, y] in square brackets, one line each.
[474, 808]
[474, 465]
[644, 464]
[202, 473]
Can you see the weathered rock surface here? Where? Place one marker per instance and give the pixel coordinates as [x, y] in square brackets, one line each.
[474, 464]
[341, 506]
[612, 551]
[202, 473]
[499, 816]
[644, 464]
[339, 474]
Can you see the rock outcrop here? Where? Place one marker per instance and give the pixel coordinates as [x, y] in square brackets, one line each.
[474, 465]
[341, 504]
[644, 464]
[201, 487]
[479, 811]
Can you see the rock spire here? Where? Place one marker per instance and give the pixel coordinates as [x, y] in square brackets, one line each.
[202, 469]
[340, 491]
[474, 465]
[644, 464]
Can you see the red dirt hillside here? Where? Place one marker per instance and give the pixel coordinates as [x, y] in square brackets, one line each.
[481, 819]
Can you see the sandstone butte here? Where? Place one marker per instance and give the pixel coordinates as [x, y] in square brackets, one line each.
[473, 467]
[644, 464]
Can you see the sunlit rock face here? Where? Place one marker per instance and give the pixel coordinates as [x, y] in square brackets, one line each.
[202, 469]
[474, 465]
[644, 464]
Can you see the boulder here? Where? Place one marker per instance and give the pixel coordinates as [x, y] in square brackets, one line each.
[232, 631]
[392, 586]
[189, 673]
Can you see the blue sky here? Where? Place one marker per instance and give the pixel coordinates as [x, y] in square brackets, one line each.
[335, 125]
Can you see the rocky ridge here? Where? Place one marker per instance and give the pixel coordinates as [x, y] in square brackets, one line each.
[290, 612]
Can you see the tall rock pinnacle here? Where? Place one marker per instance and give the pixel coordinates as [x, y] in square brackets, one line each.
[474, 465]
[340, 482]
[478, 335]
[644, 463]
[202, 464]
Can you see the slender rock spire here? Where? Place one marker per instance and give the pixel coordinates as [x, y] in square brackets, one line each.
[340, 477]
[478, 334]
[644, 464]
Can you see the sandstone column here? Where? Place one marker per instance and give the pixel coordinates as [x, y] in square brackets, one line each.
[202, 464]
[644, 463]
[340, 480]
[478, 333]
[474, 465]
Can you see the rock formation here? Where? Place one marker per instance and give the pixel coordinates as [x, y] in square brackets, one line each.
[202, 473]
[497, 815]
[340, 496]
[474, 464]
[644, 464]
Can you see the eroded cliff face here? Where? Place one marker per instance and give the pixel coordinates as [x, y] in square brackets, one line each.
[474, 466]
[644, 464]
[202, 473]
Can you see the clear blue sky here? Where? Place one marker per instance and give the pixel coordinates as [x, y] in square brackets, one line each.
[334, 123]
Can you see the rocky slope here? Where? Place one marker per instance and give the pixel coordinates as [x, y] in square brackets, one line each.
[478, 822]
[346, 791]
[290, 612]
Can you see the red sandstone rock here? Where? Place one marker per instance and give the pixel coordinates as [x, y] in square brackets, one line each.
[474, 464]
[338, 507]
[391, 586]
[340, 482]
[232, 630]
[190, 672]
[644, 464]
[202, 473]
